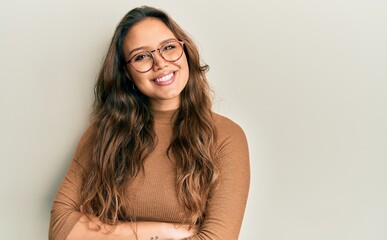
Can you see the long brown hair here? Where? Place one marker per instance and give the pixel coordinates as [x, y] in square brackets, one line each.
[123, 120]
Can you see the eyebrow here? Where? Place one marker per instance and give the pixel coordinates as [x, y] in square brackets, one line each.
[143, 48]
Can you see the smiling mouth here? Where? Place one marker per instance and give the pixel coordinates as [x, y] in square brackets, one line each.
[165, 78]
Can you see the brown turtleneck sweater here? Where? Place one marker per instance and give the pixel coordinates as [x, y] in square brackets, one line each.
[153, 193]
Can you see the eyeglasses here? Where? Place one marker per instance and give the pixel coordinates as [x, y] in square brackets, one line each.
[170, 51]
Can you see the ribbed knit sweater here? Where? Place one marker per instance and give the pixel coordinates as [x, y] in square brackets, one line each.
[153, 193]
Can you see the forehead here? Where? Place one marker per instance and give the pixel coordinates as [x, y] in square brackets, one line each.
[149, 32]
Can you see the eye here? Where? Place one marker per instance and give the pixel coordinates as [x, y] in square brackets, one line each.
[169, 47]
[141, 57]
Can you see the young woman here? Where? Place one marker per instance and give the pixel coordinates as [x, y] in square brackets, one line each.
[156, 162]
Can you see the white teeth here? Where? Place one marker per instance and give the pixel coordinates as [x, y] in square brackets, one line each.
[165, 78]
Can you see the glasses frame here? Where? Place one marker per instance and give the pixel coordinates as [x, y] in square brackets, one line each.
[152, 53]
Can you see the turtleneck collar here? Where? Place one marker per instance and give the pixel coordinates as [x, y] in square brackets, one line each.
[164, 117]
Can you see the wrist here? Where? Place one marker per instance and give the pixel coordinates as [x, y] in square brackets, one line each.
[127, 229]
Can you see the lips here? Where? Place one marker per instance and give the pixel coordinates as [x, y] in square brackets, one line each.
[165, 79]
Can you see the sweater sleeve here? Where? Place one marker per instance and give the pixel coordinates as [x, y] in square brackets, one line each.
[226, 203]
[65, 211]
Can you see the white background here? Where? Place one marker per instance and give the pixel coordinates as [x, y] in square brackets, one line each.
[307, 81]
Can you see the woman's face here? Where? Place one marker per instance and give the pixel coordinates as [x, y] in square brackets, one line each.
[164, 82]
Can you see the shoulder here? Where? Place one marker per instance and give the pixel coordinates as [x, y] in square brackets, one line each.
[226, 127]
[232, 147]
[85, 146]
[229, 133]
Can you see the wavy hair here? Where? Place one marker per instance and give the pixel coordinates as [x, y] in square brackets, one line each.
[123, 120]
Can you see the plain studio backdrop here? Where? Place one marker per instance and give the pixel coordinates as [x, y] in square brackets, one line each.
[306, 80]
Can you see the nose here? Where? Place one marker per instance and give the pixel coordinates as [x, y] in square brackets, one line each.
[158, 61]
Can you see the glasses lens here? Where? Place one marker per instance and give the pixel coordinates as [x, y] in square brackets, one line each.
[171, 51]
[142, 61]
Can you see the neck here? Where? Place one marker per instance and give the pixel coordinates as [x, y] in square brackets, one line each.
[167, 116]
[165, 105]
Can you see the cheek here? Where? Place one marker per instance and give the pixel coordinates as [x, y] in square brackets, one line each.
[136, 77]
[185, 67]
